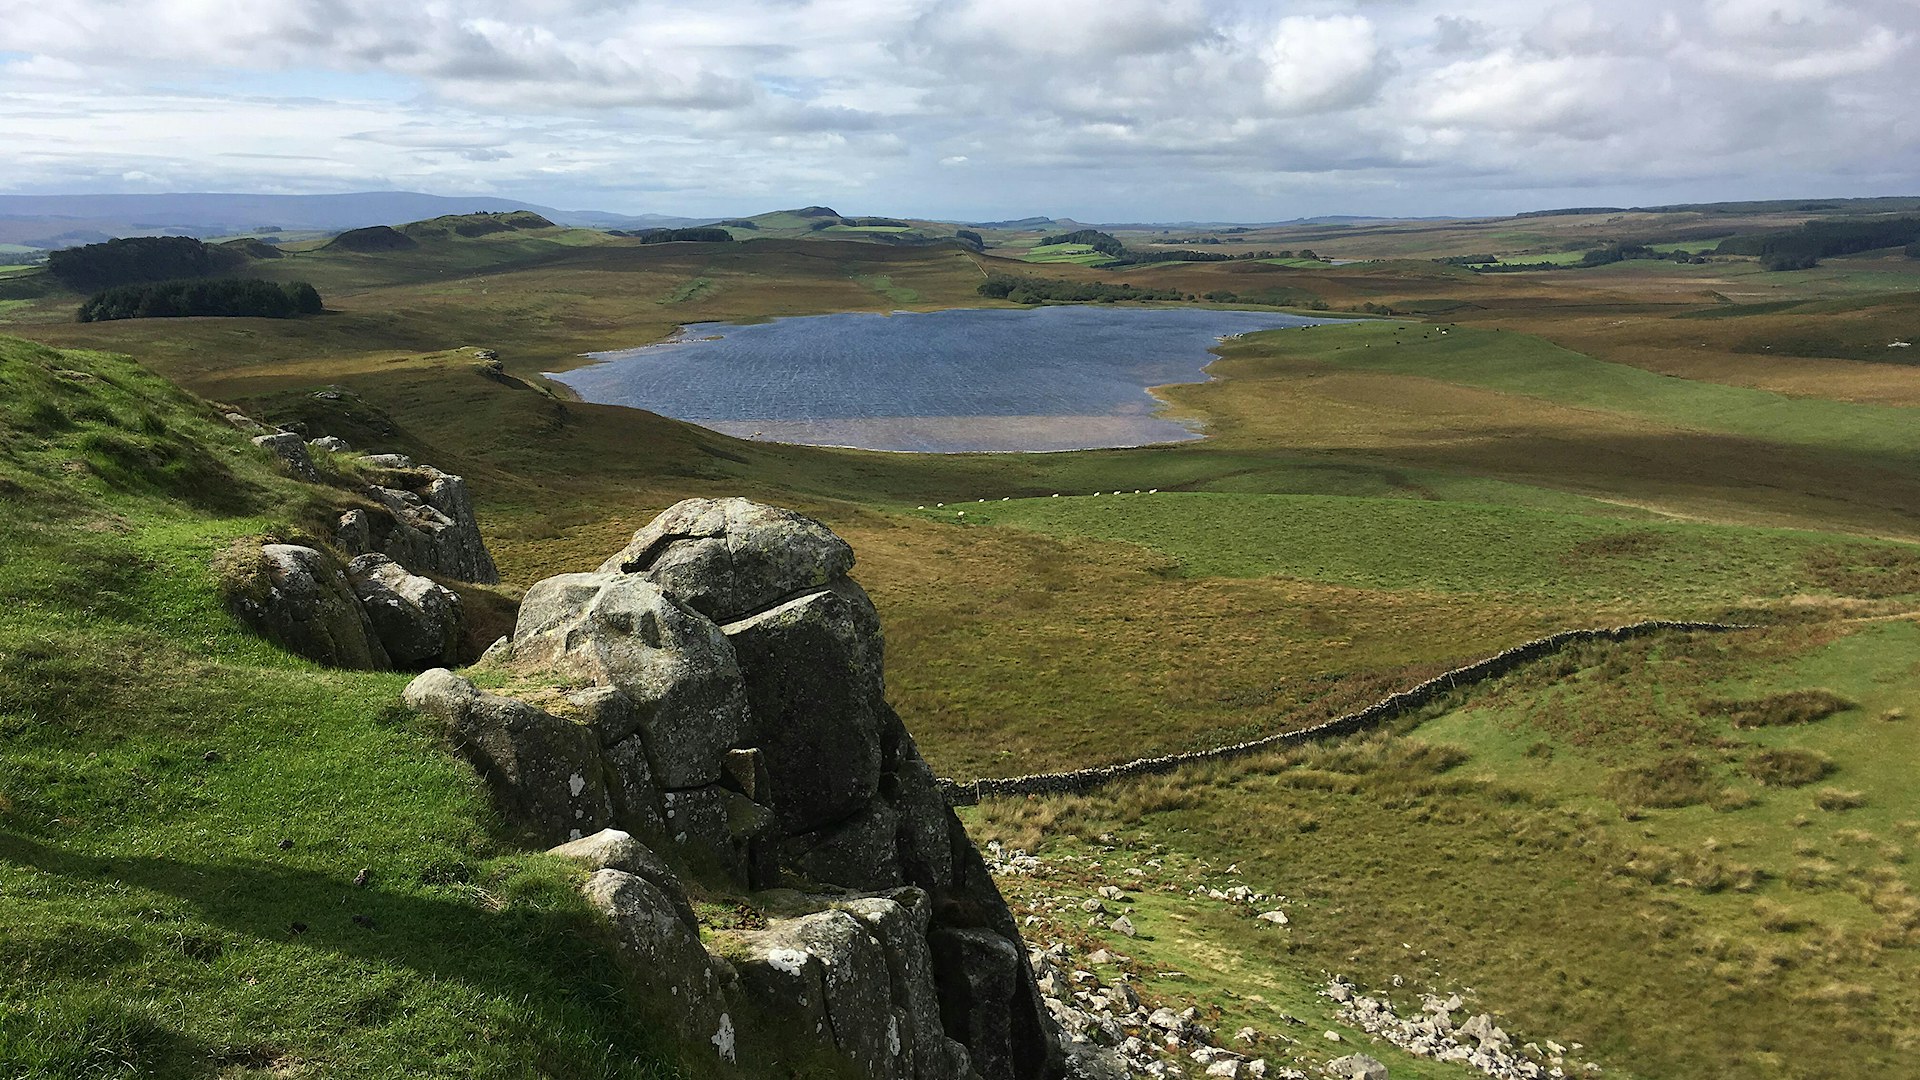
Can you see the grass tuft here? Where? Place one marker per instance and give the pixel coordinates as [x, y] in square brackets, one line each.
[1787, 709]
[1788, 767]
[1672, 781]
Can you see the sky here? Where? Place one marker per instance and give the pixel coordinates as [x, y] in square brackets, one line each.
[1100, 110]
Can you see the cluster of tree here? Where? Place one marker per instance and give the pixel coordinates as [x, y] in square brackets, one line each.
[1614, 253]
[1132, 258]
[970, 238]
[139, 258]
[1802, 248]
[1026, 290]
[706, 234]
[229, 297]
[1104, 243]
[739, 223]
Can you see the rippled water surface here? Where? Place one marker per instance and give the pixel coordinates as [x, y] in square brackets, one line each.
[1051, 378]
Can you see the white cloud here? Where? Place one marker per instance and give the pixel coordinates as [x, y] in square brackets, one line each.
[1116, 108]
[1317, 65]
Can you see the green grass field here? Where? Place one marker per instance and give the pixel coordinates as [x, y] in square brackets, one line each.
[1076, 254]
[1463, 547]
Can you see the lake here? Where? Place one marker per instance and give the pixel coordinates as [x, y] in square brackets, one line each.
[967, 379]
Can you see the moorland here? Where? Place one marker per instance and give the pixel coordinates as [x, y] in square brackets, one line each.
[1651, 848]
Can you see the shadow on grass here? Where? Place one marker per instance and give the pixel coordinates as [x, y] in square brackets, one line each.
[542, 949]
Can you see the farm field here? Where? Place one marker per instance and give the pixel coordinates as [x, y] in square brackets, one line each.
[1491, 459]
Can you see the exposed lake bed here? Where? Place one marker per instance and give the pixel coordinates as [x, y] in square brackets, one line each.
[952, 381]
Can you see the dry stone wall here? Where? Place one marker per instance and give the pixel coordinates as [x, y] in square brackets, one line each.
[1080, 781]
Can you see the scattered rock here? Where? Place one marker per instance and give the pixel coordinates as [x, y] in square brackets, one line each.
[331, 443]
[1357, 1067]
[292, 452]
[1123, 925]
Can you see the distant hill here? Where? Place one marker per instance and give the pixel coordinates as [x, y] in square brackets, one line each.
[54, 221]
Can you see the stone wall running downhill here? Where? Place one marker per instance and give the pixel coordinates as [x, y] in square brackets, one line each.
[1080, 781]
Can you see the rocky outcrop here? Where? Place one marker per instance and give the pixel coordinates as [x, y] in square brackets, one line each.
[291, 449]
[717, 691]
[416, 620]
[300, 599]
[423, 519]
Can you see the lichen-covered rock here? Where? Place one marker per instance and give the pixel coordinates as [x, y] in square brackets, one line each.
[429, 523]
[729, 558]
[656, 940]
[291, 449]
[615, 849]
[859, 976]
[330, 443]
[1357, 1067]
[545, 773]
[983, 980]
[416, 620]
[354, 532]
[301, 600]
[675, 667]
[858, 853]
[900, 920]
[718, 826]
[812, 671]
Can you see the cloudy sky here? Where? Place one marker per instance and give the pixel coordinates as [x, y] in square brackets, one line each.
[1107, 110]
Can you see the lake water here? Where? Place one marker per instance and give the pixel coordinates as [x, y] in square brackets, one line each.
[1049, 378]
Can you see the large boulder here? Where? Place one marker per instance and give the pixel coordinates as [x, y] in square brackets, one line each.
[722, 693]
[416, 620]
[729, 558]
[546, 773]
[673, 666]
[301, 600]
[812, 670]
[987, 1004]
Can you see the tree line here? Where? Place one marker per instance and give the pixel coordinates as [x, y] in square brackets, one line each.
[1804, 247]
[704, 234]
[218, 297]
[1026, 290]
[136, 259]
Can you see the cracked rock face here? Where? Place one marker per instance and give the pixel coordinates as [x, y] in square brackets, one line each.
[728, 558]
[428, 524]
[417, 621]
[716, 690]
[308, 607]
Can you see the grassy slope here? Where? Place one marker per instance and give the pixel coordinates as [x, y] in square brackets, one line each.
[177, 798]
[1760, 929]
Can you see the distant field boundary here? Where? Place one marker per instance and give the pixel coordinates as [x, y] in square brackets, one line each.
[1080, 781]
